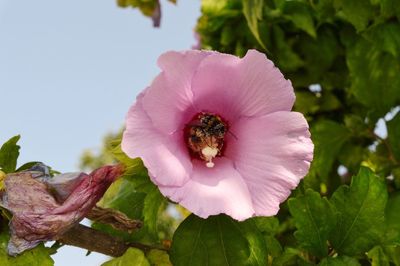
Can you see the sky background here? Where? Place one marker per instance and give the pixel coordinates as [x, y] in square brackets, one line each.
[69, 70]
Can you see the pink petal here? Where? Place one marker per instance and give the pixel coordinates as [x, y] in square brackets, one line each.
[168, 101]
[234, 87]
[272, 153]
[165, 156]
[212, 191]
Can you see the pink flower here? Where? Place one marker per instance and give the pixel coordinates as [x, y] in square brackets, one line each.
[44, 208]
[217, 135]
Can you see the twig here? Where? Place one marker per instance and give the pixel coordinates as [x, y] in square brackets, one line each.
[93, 240]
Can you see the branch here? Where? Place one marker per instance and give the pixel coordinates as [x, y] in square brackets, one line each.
[93, 240]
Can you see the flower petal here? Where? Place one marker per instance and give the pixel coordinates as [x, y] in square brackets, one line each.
[272, 153]
[212, 191]
[168, 101]
[233, 87]
[165, 156]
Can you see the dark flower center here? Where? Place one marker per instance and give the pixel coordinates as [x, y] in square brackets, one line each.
[204, 136]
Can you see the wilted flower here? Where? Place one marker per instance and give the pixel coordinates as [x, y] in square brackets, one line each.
[217, 135]
[43, 207]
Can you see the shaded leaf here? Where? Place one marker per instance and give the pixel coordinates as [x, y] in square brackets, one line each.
[392, 215]
[374, 73]
[378, 257]
[328, 138]
[269, 227]
[357, 12]
[285, 57]
[393, 252]
[361, 210]
[393, 128]
[300, 14]
[339, 261]
[315, 219]
[218, 240]
[290, 257]
[385, 37]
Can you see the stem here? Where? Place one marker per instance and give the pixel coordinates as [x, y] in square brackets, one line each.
[389, 149]
[93, 240]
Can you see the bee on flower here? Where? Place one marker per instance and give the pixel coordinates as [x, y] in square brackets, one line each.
[217, 134]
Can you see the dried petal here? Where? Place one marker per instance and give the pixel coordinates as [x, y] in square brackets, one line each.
[37, 214]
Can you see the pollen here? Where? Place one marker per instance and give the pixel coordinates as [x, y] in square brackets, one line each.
[209, 153]
[204, 136]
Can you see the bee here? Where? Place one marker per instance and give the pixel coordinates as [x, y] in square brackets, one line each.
[206, 130]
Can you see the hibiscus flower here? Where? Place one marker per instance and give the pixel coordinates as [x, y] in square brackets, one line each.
[217, 134]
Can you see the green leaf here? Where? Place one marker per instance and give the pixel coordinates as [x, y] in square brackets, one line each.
[390, 8]
[393, 128]
[153, 202]
[132, 256]
[324, 9]
[2, 177]
[340, 261]
[26, 166]
[361, 210]
[357, 12]
[252, 10]
[9, 153]
[306, 102]
[213, 7]
[385, 37]
[283, 53]
[392, 215]
[218, 240]
[328, 138]
[122, 196]
[393, 252]
[269, 227]
[315, 219]
[290, 257]
[319, 55]
[158, 258]
[378, 257]
[300, 14]
[374, 73]
[114, 147]
[137, 197]
[39, 256]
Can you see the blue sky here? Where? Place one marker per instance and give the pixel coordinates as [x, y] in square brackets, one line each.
[69, 70]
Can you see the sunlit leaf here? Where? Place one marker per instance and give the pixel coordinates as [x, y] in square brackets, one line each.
[9, 153]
